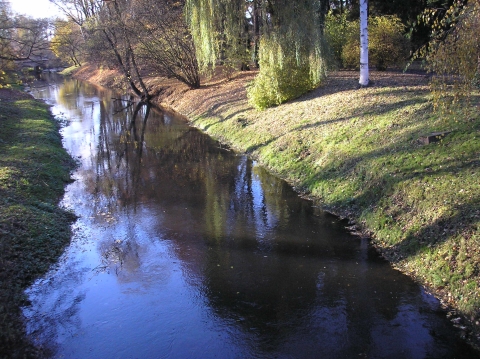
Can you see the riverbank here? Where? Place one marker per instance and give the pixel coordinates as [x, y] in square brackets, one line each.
[34, 169]
[362, 154]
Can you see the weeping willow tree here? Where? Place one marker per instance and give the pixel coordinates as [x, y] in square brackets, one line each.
[289, 34]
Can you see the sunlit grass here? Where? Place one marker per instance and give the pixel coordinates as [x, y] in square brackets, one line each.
[68, 71]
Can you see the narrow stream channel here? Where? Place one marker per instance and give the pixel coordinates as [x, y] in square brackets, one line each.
[184, 249]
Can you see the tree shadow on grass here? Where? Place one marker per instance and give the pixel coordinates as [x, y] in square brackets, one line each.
[341, 81]
[365, 110]
[378, 189]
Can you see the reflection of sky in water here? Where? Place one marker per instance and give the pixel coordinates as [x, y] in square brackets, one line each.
[183, 250]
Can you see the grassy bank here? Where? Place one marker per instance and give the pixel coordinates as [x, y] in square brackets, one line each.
[358, 153]
[34, 169]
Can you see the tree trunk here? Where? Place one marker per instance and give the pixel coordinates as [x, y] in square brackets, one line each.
[125, 68]
[364, 76]
[256, 32]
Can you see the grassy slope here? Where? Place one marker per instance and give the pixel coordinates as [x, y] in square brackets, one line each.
[33, 230]
[357, 152]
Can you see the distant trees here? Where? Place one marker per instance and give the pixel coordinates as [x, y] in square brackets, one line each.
[68, 43]
[21, 38]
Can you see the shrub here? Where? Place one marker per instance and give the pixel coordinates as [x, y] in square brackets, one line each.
[350, 55]
[283, 74]
[337, 31]
[387, 44]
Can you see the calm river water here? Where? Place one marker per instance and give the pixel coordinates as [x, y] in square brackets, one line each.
[184, 249]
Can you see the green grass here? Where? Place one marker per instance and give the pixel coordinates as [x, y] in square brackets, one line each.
[34, 169]
[357, 152]
[68, 71]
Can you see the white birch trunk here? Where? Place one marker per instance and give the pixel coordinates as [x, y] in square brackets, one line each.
[364, 76]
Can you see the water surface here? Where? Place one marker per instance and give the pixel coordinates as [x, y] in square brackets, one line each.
[184, 249]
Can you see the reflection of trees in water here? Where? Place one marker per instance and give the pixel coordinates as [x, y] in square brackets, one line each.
[270, 265]
[257, 252]
[119, 255]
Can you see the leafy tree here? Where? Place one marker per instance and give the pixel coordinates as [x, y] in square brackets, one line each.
[287, 35]
[68, 42]
[453, 53]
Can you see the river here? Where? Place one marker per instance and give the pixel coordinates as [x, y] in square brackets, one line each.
[184, 249]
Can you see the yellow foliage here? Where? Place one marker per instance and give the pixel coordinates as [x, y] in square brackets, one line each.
[387, 44]
[453, 56]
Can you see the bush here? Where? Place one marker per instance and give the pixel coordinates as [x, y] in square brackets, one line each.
[387, 44]
[350, 54]
[337, 31]
[282, 76]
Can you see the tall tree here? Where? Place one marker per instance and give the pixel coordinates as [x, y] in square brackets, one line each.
[364, 72]
[68, 42]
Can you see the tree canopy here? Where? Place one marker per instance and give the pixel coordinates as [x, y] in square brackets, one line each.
[138, 37]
